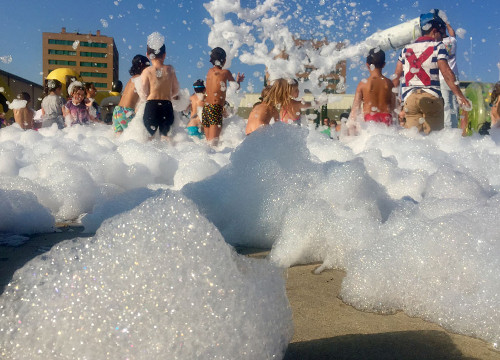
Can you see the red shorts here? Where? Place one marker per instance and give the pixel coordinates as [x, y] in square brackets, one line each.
[385, 118]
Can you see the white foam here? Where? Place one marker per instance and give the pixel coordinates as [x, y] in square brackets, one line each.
[410, 218]
[156, 41]
[158, 281]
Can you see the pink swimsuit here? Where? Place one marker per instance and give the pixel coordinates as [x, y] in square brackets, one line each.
[286, 121]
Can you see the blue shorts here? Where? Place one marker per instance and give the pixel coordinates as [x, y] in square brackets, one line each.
[194, 131]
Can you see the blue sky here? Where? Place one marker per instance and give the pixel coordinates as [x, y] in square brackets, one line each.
[182, 23]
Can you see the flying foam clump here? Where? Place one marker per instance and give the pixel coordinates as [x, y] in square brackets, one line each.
[156, 41]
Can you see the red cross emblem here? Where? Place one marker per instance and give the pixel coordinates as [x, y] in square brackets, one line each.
[416, 65]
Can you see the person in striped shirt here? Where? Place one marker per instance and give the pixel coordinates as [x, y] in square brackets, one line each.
[418, 66]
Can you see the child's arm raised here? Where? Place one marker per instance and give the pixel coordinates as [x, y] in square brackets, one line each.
[239, 78]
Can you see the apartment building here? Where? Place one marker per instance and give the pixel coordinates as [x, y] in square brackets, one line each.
[93, 56]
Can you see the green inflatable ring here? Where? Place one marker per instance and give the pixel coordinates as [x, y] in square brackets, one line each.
[479, 117]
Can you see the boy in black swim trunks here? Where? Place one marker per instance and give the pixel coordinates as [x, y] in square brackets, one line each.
[159, 83]
[216, 85]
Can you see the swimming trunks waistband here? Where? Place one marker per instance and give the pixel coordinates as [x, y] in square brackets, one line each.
[385, 118]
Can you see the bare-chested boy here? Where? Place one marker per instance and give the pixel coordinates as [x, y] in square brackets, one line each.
[216, 86]
[375, 93]
[160, 86]
[23, 113]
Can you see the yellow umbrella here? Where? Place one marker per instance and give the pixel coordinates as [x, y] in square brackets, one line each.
[65, 76]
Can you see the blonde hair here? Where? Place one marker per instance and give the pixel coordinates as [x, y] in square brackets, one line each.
[277, 93]
[292, 84]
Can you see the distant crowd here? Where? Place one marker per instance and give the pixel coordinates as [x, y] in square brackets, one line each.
[423, 93]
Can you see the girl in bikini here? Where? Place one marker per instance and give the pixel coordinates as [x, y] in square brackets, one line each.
[265, 110]
[291, 108]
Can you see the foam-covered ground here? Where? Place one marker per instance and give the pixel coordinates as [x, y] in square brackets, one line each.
[153, 283]
[410, 218]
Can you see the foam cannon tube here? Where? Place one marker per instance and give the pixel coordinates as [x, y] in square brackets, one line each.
[397, 36]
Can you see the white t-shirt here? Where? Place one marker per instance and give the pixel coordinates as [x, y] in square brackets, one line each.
[52, 106]
[450, 44]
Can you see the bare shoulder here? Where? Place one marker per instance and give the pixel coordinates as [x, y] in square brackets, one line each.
[169, 68]
[388, 82]
[147, 71]
[362, 85]
[228, 75]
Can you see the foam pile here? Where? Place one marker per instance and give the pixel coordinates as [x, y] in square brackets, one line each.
[156, 282]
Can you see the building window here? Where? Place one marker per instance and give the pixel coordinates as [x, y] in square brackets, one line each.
[62, 62]
[62, 52]
[93, 44]
[93, 54]
[93, 74]
[100, 85]
[93, 64]
[61, 42]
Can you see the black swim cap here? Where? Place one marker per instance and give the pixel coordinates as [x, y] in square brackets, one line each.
[117, 86]
[217, 54]
[199, 84]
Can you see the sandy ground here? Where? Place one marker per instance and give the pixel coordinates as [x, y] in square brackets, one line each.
[325, 327]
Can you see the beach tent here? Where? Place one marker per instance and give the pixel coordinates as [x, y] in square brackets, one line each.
[65, 76]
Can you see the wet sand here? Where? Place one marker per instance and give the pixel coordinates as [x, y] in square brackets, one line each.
[325, 327]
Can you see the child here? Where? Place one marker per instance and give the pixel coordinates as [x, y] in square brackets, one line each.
[160, 85]
[52, 105]
[78, 110]
[265, 110]
[495, 105]
[451, 110]
[291, 108]
[336, 127]
[375, 93]
[197, 103]
[327, 124]
[90, 92]
[23, 114]
[216, 84]
[126, 108]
